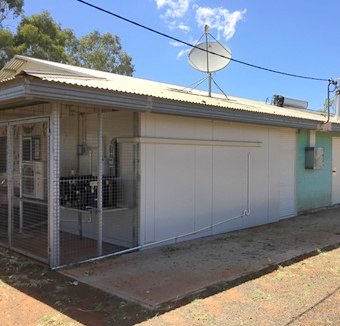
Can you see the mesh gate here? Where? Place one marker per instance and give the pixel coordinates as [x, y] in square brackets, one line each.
[23, 188]
[29, 203]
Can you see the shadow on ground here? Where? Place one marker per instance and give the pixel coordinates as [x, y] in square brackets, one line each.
[91, 306]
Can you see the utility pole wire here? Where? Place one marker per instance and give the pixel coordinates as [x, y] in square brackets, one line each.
[194, 46]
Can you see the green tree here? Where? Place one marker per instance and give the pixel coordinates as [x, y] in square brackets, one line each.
[10, 7]
[6, 41]
[40, 36]
[101, 52]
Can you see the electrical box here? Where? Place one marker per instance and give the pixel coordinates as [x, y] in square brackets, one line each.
[314, 158]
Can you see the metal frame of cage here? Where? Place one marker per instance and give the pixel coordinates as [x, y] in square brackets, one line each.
[56, 243]
[11, 235]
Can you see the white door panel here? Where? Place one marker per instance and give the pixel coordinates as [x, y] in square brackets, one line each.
[336, 171]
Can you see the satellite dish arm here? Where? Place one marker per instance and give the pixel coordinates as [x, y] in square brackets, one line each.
[206, 32]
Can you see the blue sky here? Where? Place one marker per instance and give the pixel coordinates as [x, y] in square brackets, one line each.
[297, 36]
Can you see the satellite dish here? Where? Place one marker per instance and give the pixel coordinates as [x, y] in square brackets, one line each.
[208, 62]
[209, 57]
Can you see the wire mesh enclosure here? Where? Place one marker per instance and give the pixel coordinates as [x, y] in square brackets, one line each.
[98, 211]
[68, 182]
[24, 187]
[29, 228]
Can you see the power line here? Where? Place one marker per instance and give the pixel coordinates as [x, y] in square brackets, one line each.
[194, 46]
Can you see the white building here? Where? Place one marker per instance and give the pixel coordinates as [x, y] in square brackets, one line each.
[94, 163]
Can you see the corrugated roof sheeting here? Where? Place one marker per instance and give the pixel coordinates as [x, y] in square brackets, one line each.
[82, 77]
[139, 87]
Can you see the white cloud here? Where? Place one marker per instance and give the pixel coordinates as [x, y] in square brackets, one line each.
[220, 19]
[184, 27]
[176, 44]
[174, 8]
[182, 53]
[184, 14]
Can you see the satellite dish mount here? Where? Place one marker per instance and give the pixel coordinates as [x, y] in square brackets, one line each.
[209, 57]
[206, 32]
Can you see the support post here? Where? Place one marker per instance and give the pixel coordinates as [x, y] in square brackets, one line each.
[100, 185]
[53, 186]
[10, 181]
[21, 208]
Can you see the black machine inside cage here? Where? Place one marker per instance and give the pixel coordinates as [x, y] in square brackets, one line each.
[81, 192]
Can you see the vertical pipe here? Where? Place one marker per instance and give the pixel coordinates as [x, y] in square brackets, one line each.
[337, 99]
[10, 181]
[53, 187]
[100, 184]
[247, 213]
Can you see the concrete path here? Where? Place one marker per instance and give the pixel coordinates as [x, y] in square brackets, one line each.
[153, 277]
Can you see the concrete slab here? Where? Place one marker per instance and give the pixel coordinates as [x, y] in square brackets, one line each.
[155, 276]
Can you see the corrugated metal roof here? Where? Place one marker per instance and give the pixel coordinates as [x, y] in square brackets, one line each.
[77, 76]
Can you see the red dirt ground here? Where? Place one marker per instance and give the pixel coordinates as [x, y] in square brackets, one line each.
[304, 293]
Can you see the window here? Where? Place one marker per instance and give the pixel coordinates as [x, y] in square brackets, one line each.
[31, 149]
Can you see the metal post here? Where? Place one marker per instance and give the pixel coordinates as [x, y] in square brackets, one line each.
[136, 181]
[100, 184]
[206, 32]
[53, 186]
[21, 210]
[10, 181]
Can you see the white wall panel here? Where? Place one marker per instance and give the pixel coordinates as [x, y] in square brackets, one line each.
[273, 174]
[147, 203]
[203, 187]
[287, 172]
[229, 185]
[174, 190]
[189, 187]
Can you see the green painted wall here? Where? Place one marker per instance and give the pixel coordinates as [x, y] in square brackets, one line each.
[314, 187]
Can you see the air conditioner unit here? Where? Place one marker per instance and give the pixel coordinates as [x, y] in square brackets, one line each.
[33, 180]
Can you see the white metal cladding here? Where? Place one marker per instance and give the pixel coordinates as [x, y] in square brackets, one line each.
[287, 172]
[186, 186]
